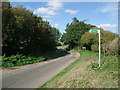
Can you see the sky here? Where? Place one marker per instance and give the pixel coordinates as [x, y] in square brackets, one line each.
[59, 14]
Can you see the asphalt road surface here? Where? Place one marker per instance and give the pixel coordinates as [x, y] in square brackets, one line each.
[34, 75]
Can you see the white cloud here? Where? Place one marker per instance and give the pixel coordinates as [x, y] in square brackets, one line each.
[55, 5]
[55, 25]
[107, 26]
[71, 11]
[43, 10]
[51, 8]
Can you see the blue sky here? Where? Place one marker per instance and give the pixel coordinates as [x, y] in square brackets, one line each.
[102, 14]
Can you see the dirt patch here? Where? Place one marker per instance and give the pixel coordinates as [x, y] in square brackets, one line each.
[13, 68]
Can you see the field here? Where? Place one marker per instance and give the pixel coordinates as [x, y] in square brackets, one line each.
[85, 73]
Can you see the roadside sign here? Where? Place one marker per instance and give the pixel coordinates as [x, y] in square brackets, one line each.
[93, 31]
[97, 31]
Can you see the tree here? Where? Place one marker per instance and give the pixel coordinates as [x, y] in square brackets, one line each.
[56, 34]
[6, 18]
[24, 32]
[74, 31]
[6, 13]
[63, 38]
[43, 40]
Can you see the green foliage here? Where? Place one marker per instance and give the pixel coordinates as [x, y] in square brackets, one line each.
[74, 31]
[111, 48]
[56, 34]
[82, 73]
[94, 47]
[95, 66]
[24, 32]
[64, 39]
[109, 63]
[6, 12]
[19, 59]
[90, 41]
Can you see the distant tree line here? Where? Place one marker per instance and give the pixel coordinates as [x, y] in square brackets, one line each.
[77, 35]
[23, 32]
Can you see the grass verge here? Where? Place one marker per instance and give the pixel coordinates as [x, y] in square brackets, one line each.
[85, 73]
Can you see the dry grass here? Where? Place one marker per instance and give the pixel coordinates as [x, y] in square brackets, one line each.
[82, 75]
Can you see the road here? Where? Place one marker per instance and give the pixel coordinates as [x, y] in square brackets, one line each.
[34, 75]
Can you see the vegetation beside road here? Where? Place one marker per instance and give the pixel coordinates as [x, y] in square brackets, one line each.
[77, 35]
[19, 59]
[85, 73]
[25, 33]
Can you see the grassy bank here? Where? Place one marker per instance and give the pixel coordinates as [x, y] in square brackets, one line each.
[85, 73]
[19, 59]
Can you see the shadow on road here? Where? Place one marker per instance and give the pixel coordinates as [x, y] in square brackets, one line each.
[51, 54]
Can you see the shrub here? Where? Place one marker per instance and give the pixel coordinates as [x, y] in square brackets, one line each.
[110, 48]
[94, 47]
[90, 40]
[19, 59]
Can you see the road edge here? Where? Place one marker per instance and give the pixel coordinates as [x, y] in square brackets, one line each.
[65, 70]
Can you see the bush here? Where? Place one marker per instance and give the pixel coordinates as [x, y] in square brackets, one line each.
[19, 60]
[90, 40]
[94, 47]
[110, 48]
